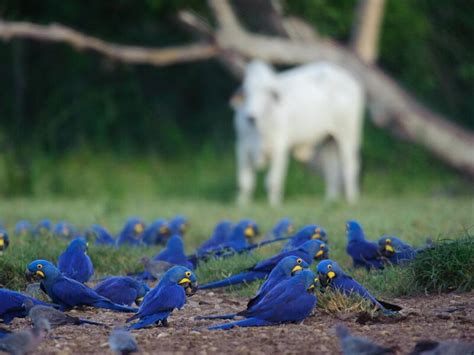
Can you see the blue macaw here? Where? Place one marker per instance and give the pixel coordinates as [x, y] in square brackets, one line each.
[23, 228]
[220, 235]
[4, 240]
[156, 233]
[170, 293]
[331, 275]
[286, 268]
[174, 253]
[291, 301]
[363, 253]
[43, 227]
[11, 305]
[67, 292]
[122, 290]
[283, 228]
[64, 229]
[100, 235]
[74, 261]
[309, 251]
[132, 232]
[179, 225]
[396, 250]
[309, 232]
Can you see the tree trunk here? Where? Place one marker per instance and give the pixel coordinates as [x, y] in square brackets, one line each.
[366, 29]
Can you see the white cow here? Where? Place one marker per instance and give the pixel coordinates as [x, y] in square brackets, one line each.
[297, 110]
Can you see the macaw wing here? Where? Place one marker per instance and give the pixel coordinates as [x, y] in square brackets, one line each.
[73, 293]
[164, 299]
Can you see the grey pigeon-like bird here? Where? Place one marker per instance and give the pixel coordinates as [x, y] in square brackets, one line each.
[53, 316]
[25, 341]
[428, 347]
[352, 345]
[122, 342]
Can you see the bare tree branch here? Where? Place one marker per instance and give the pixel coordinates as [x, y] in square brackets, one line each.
[129, 54]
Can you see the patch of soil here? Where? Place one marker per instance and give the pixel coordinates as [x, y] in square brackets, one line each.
[440, 317]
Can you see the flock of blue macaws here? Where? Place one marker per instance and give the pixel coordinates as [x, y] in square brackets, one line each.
[286, 296]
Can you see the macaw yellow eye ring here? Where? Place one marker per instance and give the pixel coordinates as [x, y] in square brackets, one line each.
[329, 267]
[187, 273]
[39, 266]
[322, 246]
[299, 261]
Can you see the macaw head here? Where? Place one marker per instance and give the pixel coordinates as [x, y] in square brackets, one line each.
[43, 227]
[290, 265]
[143, 289]
[96, 231]
[248, 227]
[64, 229]
[354, 231]
[42, 270]
[175, 244]
[159, 228]
[308, 278]
[179, 225]
[23, 228]
[318, 249]
[328, 270]
[133, 228]
[312, 231]
[78, 244]
[181, 276]
[283, 228]
[4, 240]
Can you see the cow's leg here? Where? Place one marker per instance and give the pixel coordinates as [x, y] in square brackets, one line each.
[350, 169]
[245, 175]
[275, 179]
[330, 159]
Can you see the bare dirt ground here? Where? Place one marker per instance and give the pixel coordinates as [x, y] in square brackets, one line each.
[440, 317]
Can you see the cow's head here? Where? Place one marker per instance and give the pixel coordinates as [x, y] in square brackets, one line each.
[259, 96]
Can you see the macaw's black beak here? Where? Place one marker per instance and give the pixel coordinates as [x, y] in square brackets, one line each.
[324, 279]
[191, 288]
[34, 276]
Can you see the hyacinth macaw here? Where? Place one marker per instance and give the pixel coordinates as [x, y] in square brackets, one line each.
[219, 236]
[331, 275]
[23, 228]
[363, 253]
[67, 292]
[179, 225]
[132, 232]
[64, 229]
[4, 240]
[43, 227]
[313, 250]
[286, 268]
[170, 293]
[283, 228]
[157, 233]
[122, 290]
[11, 305]
[174, 254]
[396, 250]
[74, 261]
[309, 232]
[100, 235]
[291, 301]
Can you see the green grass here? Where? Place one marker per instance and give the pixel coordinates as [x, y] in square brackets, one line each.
[412, 218]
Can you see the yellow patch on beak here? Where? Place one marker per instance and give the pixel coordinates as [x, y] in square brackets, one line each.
[138, 228]
[319, 253]
[311, 287]
[296, 268]
[184, 280]
[316, 235]
[389, 248]
[40, 274]
[249, 232]
[139, 300]
[164, 229]
[331, 274]
[290, 229]
[2, 243]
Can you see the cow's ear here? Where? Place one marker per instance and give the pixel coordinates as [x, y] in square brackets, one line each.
[275, 95]
[237, 99]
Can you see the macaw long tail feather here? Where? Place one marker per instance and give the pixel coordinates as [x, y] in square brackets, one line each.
[150, 320]
[261, 244]
[218, 316]
[85, 321]
[390, 306]
[236, 279]
[249, 322]
[114, 307]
